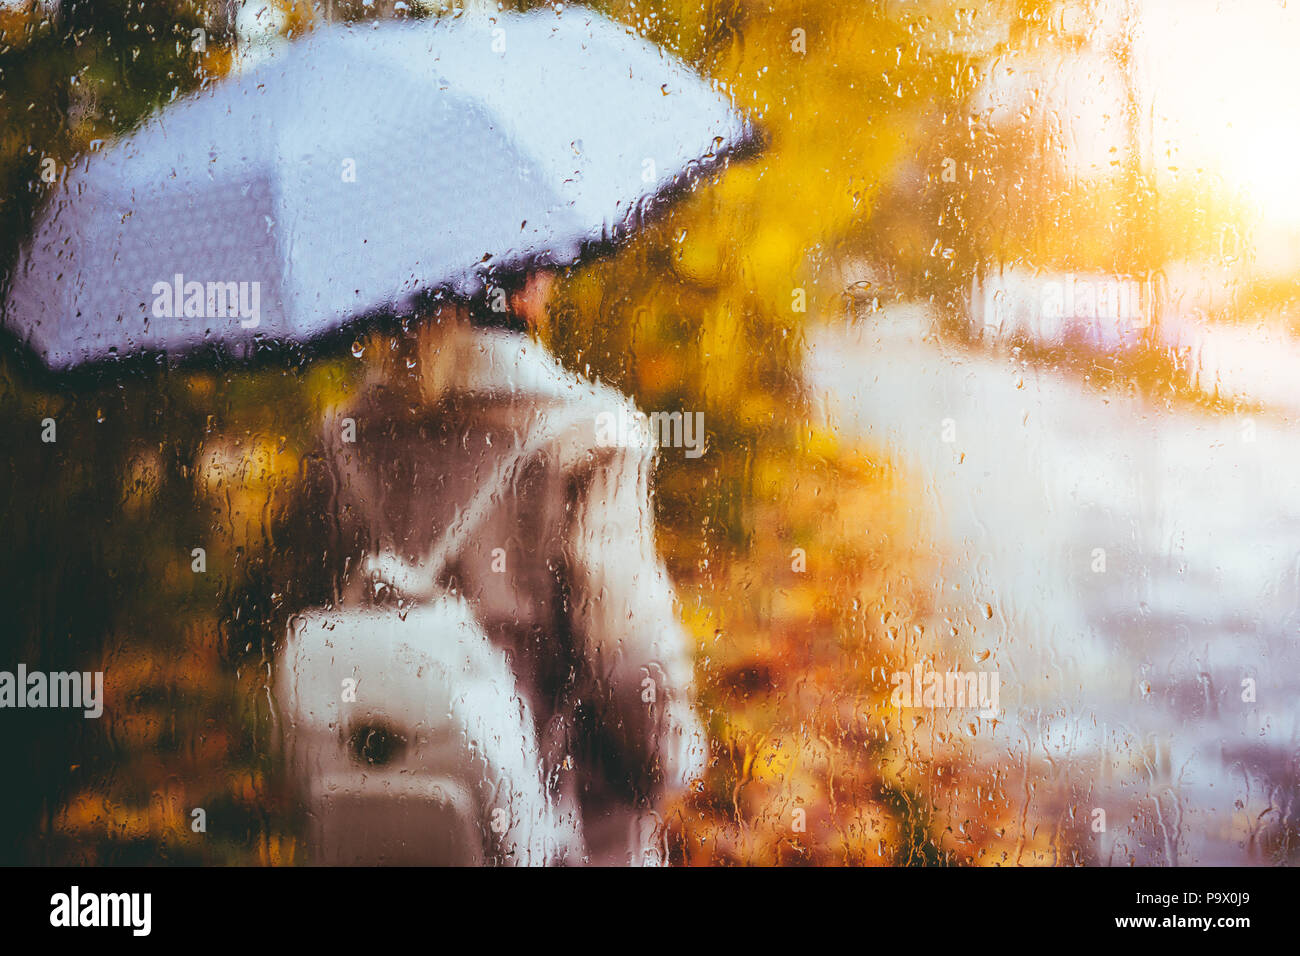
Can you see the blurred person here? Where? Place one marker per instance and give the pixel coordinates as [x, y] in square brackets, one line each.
[561, 573]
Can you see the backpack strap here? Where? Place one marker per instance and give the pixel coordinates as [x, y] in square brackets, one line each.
[420, 580]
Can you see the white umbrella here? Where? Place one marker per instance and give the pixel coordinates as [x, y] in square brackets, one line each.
[356, 170]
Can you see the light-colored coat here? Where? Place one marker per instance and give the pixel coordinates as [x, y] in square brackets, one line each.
[560, 570]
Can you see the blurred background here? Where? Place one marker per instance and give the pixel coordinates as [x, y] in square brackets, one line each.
[996, 345]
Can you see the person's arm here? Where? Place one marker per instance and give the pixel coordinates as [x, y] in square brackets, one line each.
[625, 623]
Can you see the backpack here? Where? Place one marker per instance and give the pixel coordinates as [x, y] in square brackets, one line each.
[402, 726]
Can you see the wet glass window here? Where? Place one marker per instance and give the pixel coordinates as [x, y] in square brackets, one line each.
[648, 432]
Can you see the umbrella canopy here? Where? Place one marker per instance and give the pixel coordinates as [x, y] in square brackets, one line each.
[356, 170]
